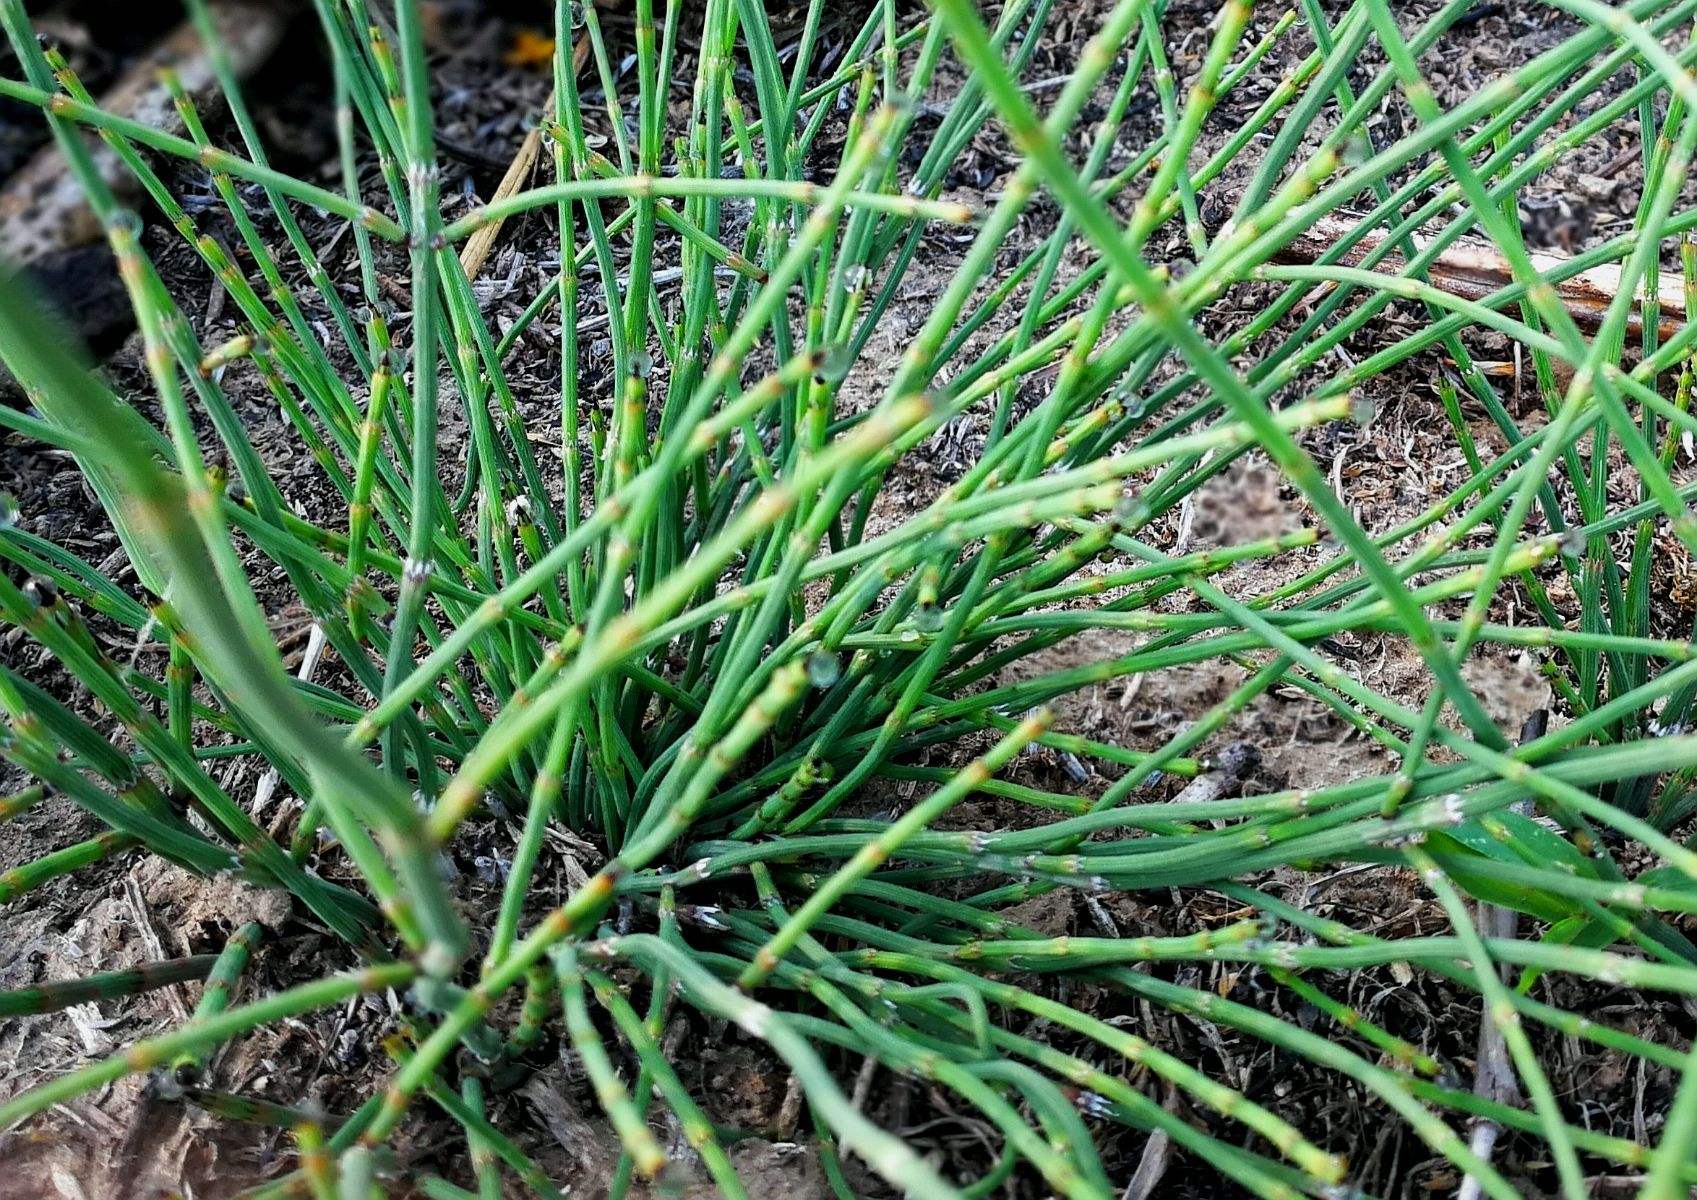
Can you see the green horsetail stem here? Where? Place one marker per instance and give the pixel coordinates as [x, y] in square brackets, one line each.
[33, 874]
[154, 1052]
[250, 675]
[729, 613]
[220, 987]
[21, 801]
[886, 1154]
[1502, 1015]
[610, 1093]
[873, 854]
[213, 159]
[316, 1166]
[697, 1129]
[50, 997]
[482, 1153]
[457, 1107]
[250, 1110]
[643, 187]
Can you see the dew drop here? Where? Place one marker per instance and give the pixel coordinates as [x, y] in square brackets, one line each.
[126, 221]
[40, 590]
[823, 668]
[836, 362]
[1130, 511]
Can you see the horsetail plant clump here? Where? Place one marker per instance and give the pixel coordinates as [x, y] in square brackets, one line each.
[718, 636]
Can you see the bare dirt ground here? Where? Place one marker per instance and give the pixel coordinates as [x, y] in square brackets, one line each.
[125, 1142]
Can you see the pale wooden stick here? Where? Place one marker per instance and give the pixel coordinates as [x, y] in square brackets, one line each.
[1473, 270]
[42, 206]
[478, 246]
